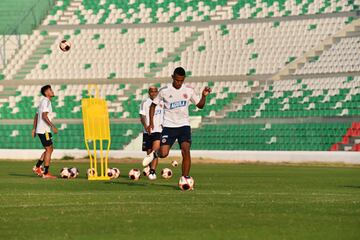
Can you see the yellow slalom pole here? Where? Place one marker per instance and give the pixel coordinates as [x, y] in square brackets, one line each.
[96, 128]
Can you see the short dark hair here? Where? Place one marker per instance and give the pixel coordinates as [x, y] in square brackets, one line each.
[44, 88]
[179, 71]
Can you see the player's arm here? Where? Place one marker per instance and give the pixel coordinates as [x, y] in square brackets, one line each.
[47, 120]
[143, 122]
[204, 94]
[142, 114]
[34, 125]
[151, 116]
[152, 108]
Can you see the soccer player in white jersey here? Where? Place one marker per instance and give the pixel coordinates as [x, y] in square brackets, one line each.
[42, 126]
[151, 142]
[176, 125]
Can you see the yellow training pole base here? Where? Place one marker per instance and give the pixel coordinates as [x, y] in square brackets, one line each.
[98, 178]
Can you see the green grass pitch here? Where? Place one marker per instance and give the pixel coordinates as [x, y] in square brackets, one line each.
[230, 201]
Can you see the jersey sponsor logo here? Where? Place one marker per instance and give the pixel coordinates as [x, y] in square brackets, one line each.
[178, 104]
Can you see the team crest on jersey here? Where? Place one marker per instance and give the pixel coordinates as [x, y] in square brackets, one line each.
[185, 96]
[178, 104]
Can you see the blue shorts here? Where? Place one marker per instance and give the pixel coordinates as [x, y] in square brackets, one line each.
[170, 135]
[148, 140]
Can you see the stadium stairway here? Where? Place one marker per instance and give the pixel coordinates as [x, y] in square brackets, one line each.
[70, 11]
[33, 43]
[42, 49]
[314, 53]
[226, 11]
[309, 97]
[350, 141]
[175, 55]
[242, 98]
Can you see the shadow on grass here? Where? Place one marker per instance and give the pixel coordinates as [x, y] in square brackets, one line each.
[23, 175]
[351, 186]
[141, 184]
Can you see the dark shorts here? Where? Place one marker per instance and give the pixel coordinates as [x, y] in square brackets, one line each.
[45, 139]
[170, 135]
[148, 140]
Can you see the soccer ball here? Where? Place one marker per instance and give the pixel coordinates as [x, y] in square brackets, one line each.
[110, 173]
[134, 174]
[166, 173]
[64, 46]
[41, 167]
[186, 184]
[174, 163]
[74, 172]
[91, 172]
[65, 173]
[116, 172]
[146, 171]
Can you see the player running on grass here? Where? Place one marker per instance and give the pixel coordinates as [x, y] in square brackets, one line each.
[176, 98]
[42, 125]
[151, 142]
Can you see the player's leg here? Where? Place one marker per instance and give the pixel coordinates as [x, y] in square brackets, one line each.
[168, 137]
[154, 163]
[155, 147]
[47, 157]
[38, 165]
[186, 158]
[184, 140]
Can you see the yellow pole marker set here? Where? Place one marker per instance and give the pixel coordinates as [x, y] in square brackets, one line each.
[96, 133]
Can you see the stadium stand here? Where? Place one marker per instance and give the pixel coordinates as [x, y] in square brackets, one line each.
[121, 102]
[70, 136]
[17, 20]
[236, 47]
[304, 98]
[341, 57]
[280, 137]
[168, 11]
[262, 48]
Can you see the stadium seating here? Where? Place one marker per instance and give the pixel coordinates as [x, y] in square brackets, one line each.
[327, 97]
[241, 57]
[21, 16]
[280, 137]
[255, 48]
[312, 136]
[70, 136]
[122, 104]
[350, 141]
[12, 43]
[262, 48]
[341, 57]
[148, 11]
